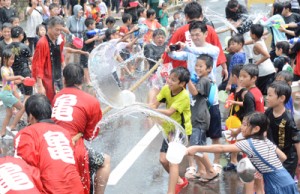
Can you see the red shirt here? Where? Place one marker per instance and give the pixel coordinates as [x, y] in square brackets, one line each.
[259, 99]
[297, 66]
[19, 177]
[183, 35]
[78, 111]
[42, 67]
[49, 147]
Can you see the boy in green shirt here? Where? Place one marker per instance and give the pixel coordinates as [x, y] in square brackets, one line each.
[177, 102]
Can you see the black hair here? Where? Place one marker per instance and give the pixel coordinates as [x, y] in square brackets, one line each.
[39, 107]
[12, 19]
[73, 75]
[229, 42]
[277, 8]
[251, 69]
[282, 88]
[209, 61]
[150, 12]
[182, 73]
[238, 38]
[287, 5]
[176, 13]
[16, 31]
[110, 19]
[257, 119]
[172, 24]
[193, 10]
[52, 6]
[140, 10]
[6, 54]
[159, 32]
[89, 21]
[198, 25]
[55, 20]
[236, 69]
[286, 75]
[108, 33]
[284, 45]
[232, 4]
[6, 25]
[37, 29]
[257, 30]
[126, 17]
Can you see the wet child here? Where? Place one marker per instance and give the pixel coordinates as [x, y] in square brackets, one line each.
[142, 14]
[110, 22]
[261, 58]
[177, 100]
[40, 32]
[88, 46]
[7, 93]
[6, 33]
[282, 61]
[201, 119]
[263, 154]
[239, 57]
[282, 130]
[288, 78]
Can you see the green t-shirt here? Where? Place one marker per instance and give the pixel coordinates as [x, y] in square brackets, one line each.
[180, 102]
[163, 20]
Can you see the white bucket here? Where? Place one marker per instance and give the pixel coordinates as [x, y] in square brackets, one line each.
[176, 152]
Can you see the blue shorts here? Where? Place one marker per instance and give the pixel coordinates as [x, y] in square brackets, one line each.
[198, 137]
[8, 99]
[215, 127]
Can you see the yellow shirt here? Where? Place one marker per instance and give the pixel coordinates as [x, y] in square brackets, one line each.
[180, 102]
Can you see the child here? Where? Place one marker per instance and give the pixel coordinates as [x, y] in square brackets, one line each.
[110, 22]
[40, 32]
[23, 56]
[6, 32]
[282, 130]
[7, 96]
[177, 100]
[163, 15]
[152, 24]
[228, 54]
[201, 119]
[261, 58]
[15, 21]
[171, 30]
[127, 22]
[156, 48]
[263, 154]
[142, 14]
[288, 78]
[103, 8]
[281, 62]
[237, 109]
[239, 56]
[88, 46]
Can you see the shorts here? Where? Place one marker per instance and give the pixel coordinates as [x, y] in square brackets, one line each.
[25, 90]
[215, 127]
[263, 82]
[198, 137]
[165, 146]
[84, 61]
[96, 160]
[8, 99]
[290, 164]
[107, 3]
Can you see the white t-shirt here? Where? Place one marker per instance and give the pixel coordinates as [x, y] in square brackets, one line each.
[103, 8]
[33, 20]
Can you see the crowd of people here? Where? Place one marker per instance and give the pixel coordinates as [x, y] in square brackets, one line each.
[54, 50]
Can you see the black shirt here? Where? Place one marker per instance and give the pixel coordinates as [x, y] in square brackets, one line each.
[55, 56]
[235, 16]
[6, 14]
[293, 18]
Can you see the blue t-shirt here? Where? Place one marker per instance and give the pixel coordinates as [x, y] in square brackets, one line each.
[237, 59]
[289, 106]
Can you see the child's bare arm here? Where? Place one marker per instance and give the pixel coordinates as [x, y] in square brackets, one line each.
[192, 88]
[282, 157]
[213, 149]
[13, 78]
[297, 146]
[167, 112]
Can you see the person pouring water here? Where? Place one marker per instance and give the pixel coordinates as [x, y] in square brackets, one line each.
[263, 154]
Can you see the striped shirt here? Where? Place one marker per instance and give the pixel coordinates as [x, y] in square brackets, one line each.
[267, 151]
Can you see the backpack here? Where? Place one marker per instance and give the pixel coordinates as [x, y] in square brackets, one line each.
[212, 94]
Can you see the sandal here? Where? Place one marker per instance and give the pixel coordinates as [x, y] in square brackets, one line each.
[218, 168]
[190, 173]
[12, 132]
[206, 180]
